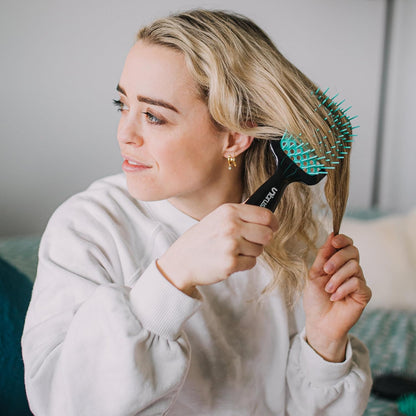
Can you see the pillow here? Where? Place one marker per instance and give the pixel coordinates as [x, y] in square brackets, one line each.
[15, 292]
[388, 257]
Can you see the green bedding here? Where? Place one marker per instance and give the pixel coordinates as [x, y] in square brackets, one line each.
[391, 339]
[22, 253]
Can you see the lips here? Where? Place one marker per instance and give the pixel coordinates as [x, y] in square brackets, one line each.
[134, 165]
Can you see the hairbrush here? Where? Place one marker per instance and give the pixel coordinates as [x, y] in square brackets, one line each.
[398, 387]
[298, 161]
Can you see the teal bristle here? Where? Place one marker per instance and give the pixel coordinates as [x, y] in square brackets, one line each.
[407, 405]
[300, 153]
[306, 158]
[340, 128]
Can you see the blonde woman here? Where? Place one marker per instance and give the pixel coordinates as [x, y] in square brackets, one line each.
[158, 291]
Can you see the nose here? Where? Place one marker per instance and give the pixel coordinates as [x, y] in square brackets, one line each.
[129, 131]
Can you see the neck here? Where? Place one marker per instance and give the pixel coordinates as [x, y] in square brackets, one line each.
[199, 205]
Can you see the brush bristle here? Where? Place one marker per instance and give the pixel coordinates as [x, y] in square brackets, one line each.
[407, 405]
[339, 128]
[318, 161]
[303, 155]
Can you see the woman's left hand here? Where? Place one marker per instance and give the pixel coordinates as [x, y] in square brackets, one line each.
[335, 296]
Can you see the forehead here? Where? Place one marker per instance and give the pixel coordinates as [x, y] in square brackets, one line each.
[157, 70]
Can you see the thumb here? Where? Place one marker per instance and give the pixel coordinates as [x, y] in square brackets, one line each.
[324, 254]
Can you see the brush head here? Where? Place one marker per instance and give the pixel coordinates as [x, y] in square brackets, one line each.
[312, 162]
[298, 160]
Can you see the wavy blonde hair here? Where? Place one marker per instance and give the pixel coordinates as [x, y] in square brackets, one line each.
[251, 88]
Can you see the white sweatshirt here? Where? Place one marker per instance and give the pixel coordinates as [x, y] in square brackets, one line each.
[107, 334]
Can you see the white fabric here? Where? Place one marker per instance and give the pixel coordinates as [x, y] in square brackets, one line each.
[106, 334]
[388, 257]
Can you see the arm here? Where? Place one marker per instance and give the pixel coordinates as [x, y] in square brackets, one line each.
[328, 369]
[90, 345]
[319, 387]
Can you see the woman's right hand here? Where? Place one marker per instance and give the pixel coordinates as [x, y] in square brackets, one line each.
[226, 241]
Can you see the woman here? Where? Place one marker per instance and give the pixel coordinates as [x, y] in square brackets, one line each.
[158, 291]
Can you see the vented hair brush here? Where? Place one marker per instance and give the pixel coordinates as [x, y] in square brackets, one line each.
[298, 161]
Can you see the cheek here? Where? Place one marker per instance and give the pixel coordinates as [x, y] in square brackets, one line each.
[176, 161]
[191, 158]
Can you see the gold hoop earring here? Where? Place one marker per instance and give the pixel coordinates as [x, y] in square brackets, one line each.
[231, 162]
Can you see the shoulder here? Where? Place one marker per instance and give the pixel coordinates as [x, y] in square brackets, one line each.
[106, 201]
[104, 227]
[103, 215]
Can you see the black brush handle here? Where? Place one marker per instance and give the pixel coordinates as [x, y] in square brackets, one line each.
[392, 386]
[270, 193]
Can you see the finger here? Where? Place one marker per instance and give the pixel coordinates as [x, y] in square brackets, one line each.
[246, 248]
[244, 263]
[323, 255]
[258, 215]
[347, 271]
[353, 287]
[255, 233]
[341, 241]
[341, 257]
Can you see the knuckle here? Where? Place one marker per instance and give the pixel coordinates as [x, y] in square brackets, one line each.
[268, 236]
[258, 250]
[230, 229]
[356, 252]
[231, 247]
[231, 265]
[355, 266]
[269, 217]
[227, 211]
[252, 263]
[261, 249]
[346, 238]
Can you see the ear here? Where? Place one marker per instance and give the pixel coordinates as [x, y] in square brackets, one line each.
[237, 143]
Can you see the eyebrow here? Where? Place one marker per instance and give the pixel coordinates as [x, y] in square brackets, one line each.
[148, 100]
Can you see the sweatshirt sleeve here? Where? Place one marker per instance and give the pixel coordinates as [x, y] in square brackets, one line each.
[318, 387]
[91, 345]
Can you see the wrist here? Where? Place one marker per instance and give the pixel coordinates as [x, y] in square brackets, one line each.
[332, 350]
[177, 279]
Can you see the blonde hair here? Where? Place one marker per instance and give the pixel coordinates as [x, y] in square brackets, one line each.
[251, 88]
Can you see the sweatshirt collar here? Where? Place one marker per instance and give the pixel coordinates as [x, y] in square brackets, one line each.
[163, 211]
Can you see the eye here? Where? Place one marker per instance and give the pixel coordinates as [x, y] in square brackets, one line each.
[120, 105]
[152, 119]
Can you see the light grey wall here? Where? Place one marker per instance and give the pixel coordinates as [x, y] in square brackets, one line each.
[398, 172]
[60, 63]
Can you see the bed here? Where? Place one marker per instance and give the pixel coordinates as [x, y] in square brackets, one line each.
[388, 326]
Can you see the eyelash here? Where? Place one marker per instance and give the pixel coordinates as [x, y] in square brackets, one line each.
[118, 104]
[152, 119]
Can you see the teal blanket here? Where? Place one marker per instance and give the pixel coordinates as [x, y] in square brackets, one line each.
[390, 337]
[15, 291]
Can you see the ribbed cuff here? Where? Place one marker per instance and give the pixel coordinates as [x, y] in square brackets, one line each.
[319, 370]
[159, 306]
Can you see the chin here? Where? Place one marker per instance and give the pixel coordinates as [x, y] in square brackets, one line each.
[142, 192]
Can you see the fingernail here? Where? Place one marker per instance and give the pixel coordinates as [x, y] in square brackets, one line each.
[329, 268]
[333, 297]
[329, 288]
